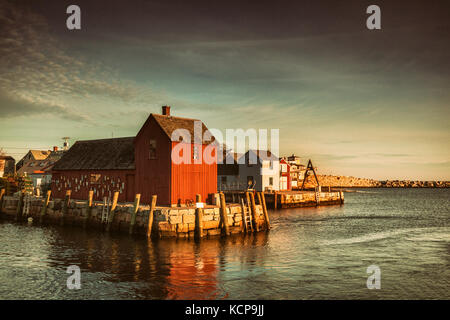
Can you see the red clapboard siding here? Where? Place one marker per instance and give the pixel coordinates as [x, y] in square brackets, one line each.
[191, 179]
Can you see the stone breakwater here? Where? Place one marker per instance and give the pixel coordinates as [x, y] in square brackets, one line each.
[353, 182]
[179, 222]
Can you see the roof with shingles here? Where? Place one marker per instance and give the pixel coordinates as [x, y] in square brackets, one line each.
[259, 155]
[118, 153]
[40, 154]
[101, 154]
[170, 123]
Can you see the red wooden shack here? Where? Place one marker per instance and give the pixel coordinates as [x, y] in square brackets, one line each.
[285, 176]
[142, 164]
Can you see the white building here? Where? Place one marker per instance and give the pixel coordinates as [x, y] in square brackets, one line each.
[259, 170]
[297, 170]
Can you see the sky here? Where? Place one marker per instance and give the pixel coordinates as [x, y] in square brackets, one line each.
[358, 102]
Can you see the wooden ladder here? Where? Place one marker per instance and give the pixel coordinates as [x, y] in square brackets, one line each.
[105, 210]
[247, 218]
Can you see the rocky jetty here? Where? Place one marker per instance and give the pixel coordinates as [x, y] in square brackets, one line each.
[414, 184]
[353, 182]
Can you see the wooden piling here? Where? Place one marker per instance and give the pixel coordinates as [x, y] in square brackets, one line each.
[223, 214]
[150, 216]
[317, 195]
[198, 218]
[275, 196]
[244, 216]
[26, 205]
[19, 206]
[266, 214]
[258, 194]
[65, 207]
[254, 216]
[137, 199]
[2, 193]
[112, 211]
[45, 206]
[88, 208]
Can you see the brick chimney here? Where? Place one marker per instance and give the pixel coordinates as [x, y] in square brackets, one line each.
[55, 148]
[166, 110]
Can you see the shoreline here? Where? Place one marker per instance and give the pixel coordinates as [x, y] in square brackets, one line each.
[390, 187]
[354, 182]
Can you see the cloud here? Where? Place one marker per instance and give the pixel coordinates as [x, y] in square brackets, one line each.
[21, 107]
[36, 73]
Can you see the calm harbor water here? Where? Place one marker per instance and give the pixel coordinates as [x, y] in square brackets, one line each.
[312, 253]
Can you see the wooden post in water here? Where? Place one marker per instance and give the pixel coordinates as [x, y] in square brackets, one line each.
[223, 214]
[44, 206]
[150, 216]
[2, 193]
[317, 195]
[88, 208]
[254, 217]
[198, 219]
[112, 211]
[266, 214]
[19, 206]
[275, 196]
[65, 207]
[137, 199]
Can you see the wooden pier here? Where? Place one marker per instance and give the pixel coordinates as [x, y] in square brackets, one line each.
[294, 199]
[200, 220]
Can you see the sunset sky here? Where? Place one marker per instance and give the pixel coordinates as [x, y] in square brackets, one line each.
[365, 103]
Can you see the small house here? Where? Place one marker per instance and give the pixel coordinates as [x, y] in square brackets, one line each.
[165, 158]
[297, 170]
[37, 165]
[285, 176]
[29, 160]
[259, 170]
[7, 165]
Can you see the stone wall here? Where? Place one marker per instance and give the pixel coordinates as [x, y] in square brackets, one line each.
[167, 221]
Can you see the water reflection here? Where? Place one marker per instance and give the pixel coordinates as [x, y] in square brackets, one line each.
[171, 269]
[309, 253]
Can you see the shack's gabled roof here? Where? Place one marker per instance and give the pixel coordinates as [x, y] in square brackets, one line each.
[40, 154]
[170, 123]
[259, 155]
[32, 166]
[102, 154]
